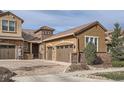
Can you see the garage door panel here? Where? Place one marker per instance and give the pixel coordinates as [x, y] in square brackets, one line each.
[11, 53]
[7, 52]
[49, 53]
[63, 53]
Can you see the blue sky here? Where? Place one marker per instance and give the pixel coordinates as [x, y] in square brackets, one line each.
[62, 20]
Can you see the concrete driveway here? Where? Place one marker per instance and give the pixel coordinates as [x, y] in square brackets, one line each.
[51, 71]
[78, 76]
[34, 67]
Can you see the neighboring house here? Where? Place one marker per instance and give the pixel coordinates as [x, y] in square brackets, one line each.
[11, 41]
[18, 43]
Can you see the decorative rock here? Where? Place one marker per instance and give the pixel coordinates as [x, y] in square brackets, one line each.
[6, 74]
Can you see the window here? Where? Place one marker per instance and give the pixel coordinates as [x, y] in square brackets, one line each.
[71, 46]
[4, 25]
[8, 26]
[61, 47]
[92, 39]
[11, 25]
[57, 47]
[66, 46]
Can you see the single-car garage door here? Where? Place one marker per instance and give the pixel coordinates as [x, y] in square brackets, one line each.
[63, 53]
[7, 52]
[49, 53]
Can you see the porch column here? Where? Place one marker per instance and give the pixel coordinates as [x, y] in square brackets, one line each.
[30, 48]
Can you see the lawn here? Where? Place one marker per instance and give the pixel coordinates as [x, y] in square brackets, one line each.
[112, 75]
[118, 63]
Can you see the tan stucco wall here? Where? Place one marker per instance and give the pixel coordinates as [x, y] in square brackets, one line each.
[18, 32]
[59, 42]
[94, 31]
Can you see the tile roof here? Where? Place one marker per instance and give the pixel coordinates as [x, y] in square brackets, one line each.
[75, 30]
[28, 35]
[1, 11]
[44, 28]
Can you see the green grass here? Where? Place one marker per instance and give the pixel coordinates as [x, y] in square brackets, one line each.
[118, 63]
[112, 75]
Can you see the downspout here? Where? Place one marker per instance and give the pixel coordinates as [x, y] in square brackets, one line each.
[77, 39]
[77, 43]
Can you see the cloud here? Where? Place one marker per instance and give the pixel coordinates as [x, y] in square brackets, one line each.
[65, 19]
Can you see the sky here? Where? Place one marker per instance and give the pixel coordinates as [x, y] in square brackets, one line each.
[62, 20]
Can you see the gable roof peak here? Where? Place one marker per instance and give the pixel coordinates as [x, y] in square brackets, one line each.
[8, 12]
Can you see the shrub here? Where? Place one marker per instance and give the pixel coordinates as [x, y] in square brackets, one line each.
[118, 63]
[90, 53]
[98, 60]
[119, 75]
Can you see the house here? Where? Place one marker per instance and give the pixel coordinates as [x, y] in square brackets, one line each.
[11, 41]
[19, 43]
[59, 47]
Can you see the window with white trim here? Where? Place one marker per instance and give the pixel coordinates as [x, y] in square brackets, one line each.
[91, 39]
[11, 25]
[4, 25]
[8, 25]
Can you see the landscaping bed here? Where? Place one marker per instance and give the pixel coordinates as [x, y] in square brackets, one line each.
[118, 63]
[117, 76]
[6, 75]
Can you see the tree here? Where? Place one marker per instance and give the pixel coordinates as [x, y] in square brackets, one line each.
[90, 53]
[115, 36]
[116, 41]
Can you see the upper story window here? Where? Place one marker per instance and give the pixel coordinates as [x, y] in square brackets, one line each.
[91, 39]
[4, 25]
[11, 25]
[8, 26]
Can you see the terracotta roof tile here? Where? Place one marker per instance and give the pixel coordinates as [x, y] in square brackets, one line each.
[45, 28]
[74, 31]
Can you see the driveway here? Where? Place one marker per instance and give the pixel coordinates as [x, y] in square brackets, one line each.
[78, 76]
[51, 71]
[34, 67]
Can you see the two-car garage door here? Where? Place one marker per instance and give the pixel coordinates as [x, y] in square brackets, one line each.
[60, 53]
[7, 52]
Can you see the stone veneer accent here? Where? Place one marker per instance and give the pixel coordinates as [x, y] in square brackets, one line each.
[77, 58]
